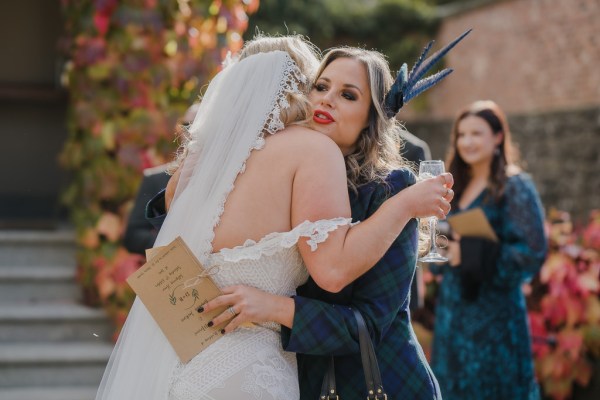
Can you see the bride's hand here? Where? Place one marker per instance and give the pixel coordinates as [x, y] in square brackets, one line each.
[429, 197]
[247, 304]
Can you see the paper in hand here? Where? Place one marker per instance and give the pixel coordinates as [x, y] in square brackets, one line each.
[163, 285]
[472, 223]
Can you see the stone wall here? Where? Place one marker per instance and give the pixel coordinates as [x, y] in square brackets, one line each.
[561, 151]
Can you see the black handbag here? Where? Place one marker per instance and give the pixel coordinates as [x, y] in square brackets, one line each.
[375, 389]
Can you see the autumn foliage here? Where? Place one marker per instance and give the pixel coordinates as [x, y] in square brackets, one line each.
[564, 308]
[134, 66]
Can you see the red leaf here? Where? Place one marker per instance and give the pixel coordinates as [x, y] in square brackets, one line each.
[555, 268]
[538, 329]
[591, 235]
[125, 265]
[101, 22]
[553, 310]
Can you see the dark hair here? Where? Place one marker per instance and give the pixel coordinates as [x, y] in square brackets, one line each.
[505, 155]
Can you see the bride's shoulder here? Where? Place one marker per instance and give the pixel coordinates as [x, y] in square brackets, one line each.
[303, 140]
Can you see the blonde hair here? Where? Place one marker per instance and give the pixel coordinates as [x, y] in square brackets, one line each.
[377, 151]
[305, 55]
[302, 52]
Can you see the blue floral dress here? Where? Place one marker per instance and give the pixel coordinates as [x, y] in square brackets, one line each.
[481, 346]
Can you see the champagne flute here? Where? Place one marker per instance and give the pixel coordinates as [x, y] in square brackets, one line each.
[430, 169]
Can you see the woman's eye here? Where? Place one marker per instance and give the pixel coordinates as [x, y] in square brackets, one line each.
[319, 87]
[349, 96]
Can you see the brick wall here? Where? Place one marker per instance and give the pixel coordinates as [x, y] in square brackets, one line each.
[527, 55]
[540, 61]
[561, 151]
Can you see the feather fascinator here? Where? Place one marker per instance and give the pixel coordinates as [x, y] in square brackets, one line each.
[409, 84]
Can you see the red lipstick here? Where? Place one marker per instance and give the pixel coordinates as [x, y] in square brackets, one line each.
[322, 117]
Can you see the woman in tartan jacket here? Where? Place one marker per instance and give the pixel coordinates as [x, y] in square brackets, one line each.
[317, 323]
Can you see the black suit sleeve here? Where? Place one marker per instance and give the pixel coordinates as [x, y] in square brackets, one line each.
[140, 234]
[156, 210]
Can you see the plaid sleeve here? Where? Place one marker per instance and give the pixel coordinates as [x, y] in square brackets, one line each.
[323, 328]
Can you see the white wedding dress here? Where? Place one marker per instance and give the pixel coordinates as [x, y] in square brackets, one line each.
[240, 106]
[250, 363]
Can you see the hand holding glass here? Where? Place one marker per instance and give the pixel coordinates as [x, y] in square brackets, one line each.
[430, 169]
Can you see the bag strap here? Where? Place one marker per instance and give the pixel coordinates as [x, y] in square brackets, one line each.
[369, 360]
[328, 389]
[375, 389]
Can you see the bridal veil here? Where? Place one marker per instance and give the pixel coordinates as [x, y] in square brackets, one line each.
[240, 106]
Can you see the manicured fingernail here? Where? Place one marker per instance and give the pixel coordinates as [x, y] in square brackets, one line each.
[200, 309]
[210, 323]
[222, 331]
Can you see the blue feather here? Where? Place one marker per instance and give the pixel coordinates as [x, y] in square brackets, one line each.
[394, 98]
[426, 83]
[409, 85]
[403, 74]
[420, 59]
[423, 67]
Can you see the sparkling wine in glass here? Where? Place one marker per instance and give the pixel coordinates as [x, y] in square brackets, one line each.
[430, 169]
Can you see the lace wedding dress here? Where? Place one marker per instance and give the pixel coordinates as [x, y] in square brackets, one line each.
[242, 104]
[250, 363]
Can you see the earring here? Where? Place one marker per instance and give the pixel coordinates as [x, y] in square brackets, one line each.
[496, 151]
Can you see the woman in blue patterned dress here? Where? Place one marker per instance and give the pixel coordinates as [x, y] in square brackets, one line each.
[481, 347]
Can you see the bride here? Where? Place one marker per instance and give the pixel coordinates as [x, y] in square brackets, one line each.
[267, 218]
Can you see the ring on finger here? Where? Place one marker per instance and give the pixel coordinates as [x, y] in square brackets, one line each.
[231, 311]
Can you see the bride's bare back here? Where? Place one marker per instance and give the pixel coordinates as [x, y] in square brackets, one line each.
[298, 175]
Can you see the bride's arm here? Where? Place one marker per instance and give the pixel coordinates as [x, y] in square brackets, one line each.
[320, 192]
[393, 270]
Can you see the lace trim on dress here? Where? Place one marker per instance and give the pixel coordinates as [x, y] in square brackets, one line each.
[291, 76]
[317, 232]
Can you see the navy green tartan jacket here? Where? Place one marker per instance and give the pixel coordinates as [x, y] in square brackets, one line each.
[324, 323]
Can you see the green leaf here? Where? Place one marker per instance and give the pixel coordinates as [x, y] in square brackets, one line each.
[98, 71]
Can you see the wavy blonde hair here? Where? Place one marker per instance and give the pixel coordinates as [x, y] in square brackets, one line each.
[377, 150]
